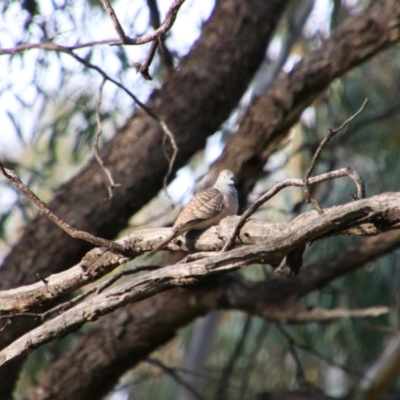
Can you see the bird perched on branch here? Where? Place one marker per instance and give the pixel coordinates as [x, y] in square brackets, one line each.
[206, 208]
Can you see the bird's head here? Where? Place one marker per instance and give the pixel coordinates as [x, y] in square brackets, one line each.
[226, 177]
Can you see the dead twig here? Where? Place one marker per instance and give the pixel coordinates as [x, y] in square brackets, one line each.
[111, 184]
[299, 183]
[317, 354]
[165, 55]
[48, 46]
[171, 160]
[169, 20]
[175, 376]
[75, 233]
[154, 37]
[118, 27]
[332, 132]
[143, 68]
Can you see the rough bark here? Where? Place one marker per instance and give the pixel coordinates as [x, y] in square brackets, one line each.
[193, 102]
[129, 335]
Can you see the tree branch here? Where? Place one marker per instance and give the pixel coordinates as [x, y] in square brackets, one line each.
[305, 228]
[332, 132]
[74, 233]
[294, 182]
[135, 333]
[266, 242]
[169, 20]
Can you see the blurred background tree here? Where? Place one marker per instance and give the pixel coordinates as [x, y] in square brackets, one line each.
[48, 103]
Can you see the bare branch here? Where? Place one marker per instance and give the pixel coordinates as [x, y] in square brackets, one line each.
[154, 37]
[75, 233]
[171, 159]
[164, 53]
[50, 46]
[175, 376]
[332, 132]
[294, 182]
[169, 20]
[111, 184]
[265, 242]
[111, 13]
[144, 68]
[91, 309]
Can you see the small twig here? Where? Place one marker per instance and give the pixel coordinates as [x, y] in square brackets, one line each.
[127, 272]
[166, 57]
[147, 110]
[154, 37]
[144, 68]
[111, 13]
[20, 315]
[111, 184]
[8, 322]
[175, 376]
[300, 373]
[332, 132]
[75, 233]
[318, 354]
[169, 20]
[48, 46]
[228, 368]
[298, 183]
[40, 277]
[170, 159]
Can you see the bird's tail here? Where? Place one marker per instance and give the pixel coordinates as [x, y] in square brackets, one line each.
[171, 236]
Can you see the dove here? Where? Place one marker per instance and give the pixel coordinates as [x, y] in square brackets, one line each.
[205, 209]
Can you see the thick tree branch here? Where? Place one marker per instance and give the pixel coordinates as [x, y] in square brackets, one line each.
[384, 209]
[266, 242]
[99, 262]
[135, 333]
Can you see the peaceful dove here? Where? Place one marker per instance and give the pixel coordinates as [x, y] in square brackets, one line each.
[206, 208]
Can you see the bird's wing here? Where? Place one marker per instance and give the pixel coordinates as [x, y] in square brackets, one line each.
[203, 206]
